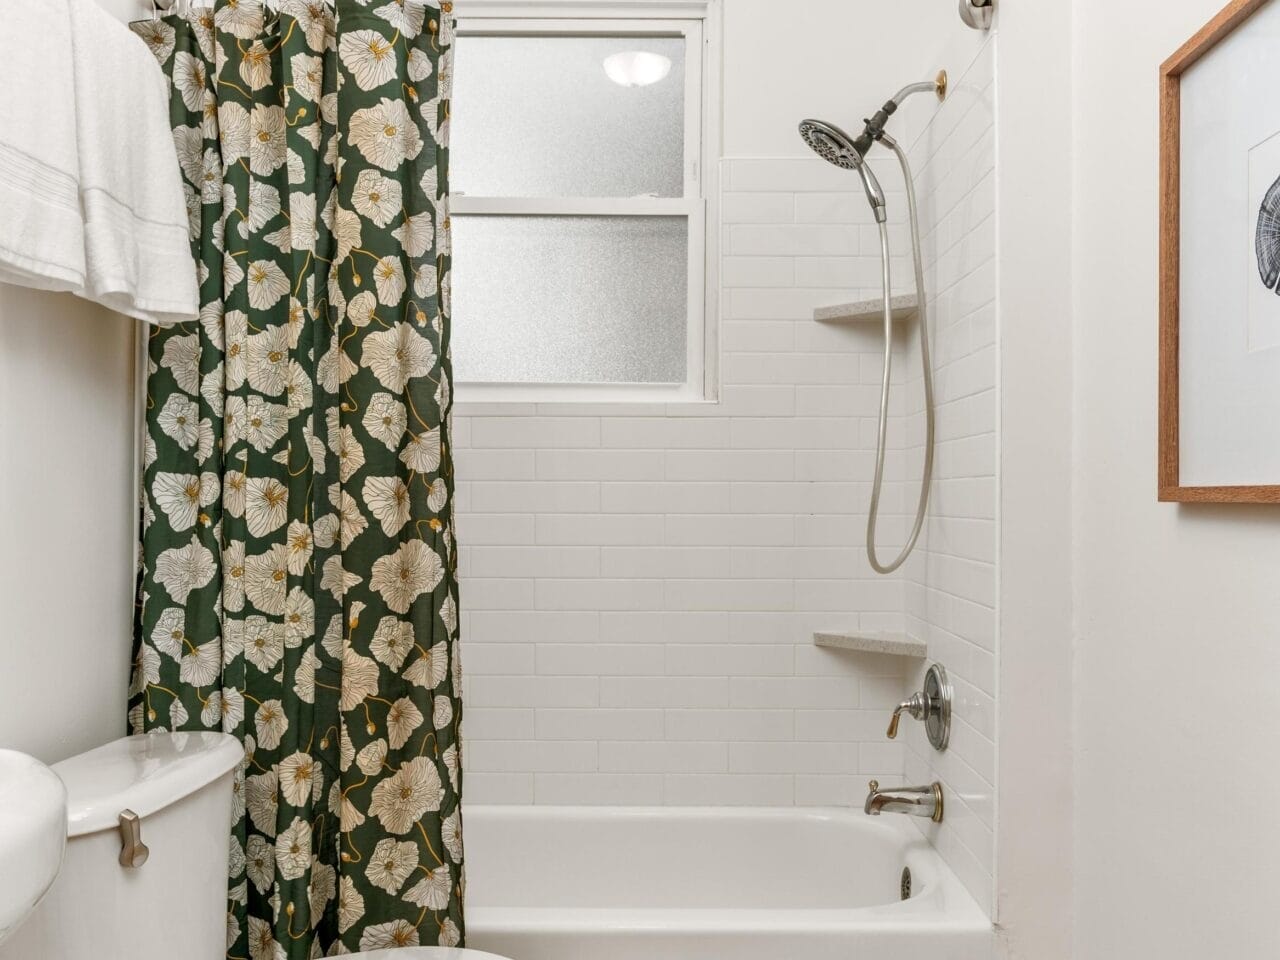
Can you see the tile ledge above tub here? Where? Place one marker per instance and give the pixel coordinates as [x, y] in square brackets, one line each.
[898, 644]
[863, 311]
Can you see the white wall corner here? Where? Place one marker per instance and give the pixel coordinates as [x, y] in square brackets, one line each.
[1035, 822]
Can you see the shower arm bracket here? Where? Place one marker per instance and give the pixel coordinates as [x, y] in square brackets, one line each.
[874, 129]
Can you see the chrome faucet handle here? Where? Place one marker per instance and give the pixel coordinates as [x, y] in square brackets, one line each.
[915, 705]
[932, 705]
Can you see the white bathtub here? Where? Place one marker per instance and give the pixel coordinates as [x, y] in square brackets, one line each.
[599, 883]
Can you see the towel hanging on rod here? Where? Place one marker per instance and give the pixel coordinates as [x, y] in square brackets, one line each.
[136, 225]
[84, 209]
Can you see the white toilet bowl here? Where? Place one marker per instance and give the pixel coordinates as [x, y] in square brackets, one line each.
[425, 953]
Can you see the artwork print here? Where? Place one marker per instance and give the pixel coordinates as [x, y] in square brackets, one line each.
[1218, 343]
[1264, 244]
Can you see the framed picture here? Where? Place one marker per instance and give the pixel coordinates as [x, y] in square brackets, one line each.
[1219, 399]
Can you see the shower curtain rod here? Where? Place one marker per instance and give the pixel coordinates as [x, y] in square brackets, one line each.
[159, 7]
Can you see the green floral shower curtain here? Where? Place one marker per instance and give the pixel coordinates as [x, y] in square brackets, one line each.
[298, 580]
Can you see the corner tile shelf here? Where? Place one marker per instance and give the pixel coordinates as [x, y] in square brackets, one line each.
[864, 311]
[897, 644]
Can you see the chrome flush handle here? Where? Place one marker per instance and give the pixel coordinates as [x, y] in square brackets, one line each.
[133, 852]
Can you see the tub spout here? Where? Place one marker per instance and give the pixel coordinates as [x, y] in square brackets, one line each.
[914, 801]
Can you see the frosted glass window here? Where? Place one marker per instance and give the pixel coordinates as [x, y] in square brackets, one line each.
[578, 213]
[538, 117]
[570, 299]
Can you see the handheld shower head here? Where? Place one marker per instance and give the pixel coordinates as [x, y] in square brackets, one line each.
[832, 144]
[835, 146]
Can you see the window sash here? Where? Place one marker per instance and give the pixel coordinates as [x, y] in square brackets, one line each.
[692, 388]
[690, 30]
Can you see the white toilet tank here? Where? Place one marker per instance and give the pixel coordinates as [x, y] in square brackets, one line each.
[174, 904]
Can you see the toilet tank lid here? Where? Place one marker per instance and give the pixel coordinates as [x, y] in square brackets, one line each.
[144, 774]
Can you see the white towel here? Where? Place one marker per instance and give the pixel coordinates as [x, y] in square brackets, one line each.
[41, 237]
[137, 246]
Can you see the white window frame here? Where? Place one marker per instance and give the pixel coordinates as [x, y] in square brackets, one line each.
[696, 21]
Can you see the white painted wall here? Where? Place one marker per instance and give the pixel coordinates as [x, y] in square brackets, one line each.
[66, 546]
[1108, 598]
[838, 60]
[66, 554]
[1177, 614]
[1034, 150]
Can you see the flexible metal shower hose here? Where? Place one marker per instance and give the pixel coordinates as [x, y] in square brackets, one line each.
[922, 307]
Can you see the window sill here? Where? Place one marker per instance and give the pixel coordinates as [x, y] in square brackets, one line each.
[582, 408]
[528, 399]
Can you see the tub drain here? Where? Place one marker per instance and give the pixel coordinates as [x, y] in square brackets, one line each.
[905, 884]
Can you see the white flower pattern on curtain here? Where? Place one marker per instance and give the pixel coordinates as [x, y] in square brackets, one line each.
[298, 586]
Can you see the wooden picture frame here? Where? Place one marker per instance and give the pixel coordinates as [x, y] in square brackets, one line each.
[1170, 487]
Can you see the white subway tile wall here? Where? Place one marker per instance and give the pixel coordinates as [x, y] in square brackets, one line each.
[640, 583]
[951, 579]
